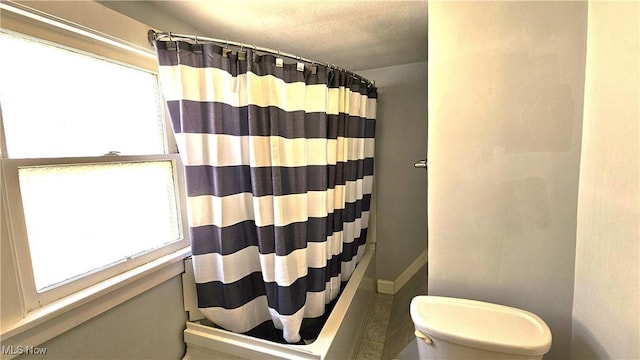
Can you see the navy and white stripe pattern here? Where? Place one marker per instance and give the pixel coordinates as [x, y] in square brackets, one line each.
[279, 170]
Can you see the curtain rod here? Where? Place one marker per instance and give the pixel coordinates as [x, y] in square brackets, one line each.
[153, 36]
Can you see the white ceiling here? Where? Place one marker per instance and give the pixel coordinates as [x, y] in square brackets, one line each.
[355, 35]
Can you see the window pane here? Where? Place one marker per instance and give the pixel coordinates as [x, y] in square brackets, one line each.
[82, 217]
[61, 103]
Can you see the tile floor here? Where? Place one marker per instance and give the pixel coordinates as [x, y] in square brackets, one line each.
[389, 330]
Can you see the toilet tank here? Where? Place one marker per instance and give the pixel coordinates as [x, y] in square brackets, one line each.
[452, 328]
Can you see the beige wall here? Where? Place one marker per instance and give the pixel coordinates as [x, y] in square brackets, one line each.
[148, 326]
[400, 189]
[606, 309]
[506, 82]
[151, 15]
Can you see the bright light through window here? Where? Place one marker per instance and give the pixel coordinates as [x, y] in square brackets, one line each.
[61, 103]
[83, 217]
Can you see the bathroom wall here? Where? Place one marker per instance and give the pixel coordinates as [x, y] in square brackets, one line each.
[506, 83]
[400, 189]
[151, 15]
[606, 308]
[148, 326]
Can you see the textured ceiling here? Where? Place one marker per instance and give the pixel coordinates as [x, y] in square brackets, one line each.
[355, 35]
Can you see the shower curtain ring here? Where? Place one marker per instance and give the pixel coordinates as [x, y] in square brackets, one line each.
[196, 38]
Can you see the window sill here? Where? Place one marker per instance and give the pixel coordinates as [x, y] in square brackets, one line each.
[51, 320]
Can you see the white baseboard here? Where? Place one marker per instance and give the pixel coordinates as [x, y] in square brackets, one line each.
[386, 287]
[392, 287]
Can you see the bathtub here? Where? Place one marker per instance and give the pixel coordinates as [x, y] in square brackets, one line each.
[338, 339]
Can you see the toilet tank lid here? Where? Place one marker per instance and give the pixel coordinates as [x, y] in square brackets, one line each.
[481, 325]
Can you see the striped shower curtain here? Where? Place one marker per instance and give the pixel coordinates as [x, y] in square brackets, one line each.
[279, 170]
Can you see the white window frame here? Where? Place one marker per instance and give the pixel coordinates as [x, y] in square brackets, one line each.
[34, 299]
[51, 312]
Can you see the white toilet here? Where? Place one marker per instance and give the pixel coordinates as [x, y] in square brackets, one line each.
[451, 328]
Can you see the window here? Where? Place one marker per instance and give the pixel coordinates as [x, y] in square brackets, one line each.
[91, 187]
[61, 103]
[133, 209]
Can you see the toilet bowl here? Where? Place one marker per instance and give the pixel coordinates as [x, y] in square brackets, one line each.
[452, 328]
